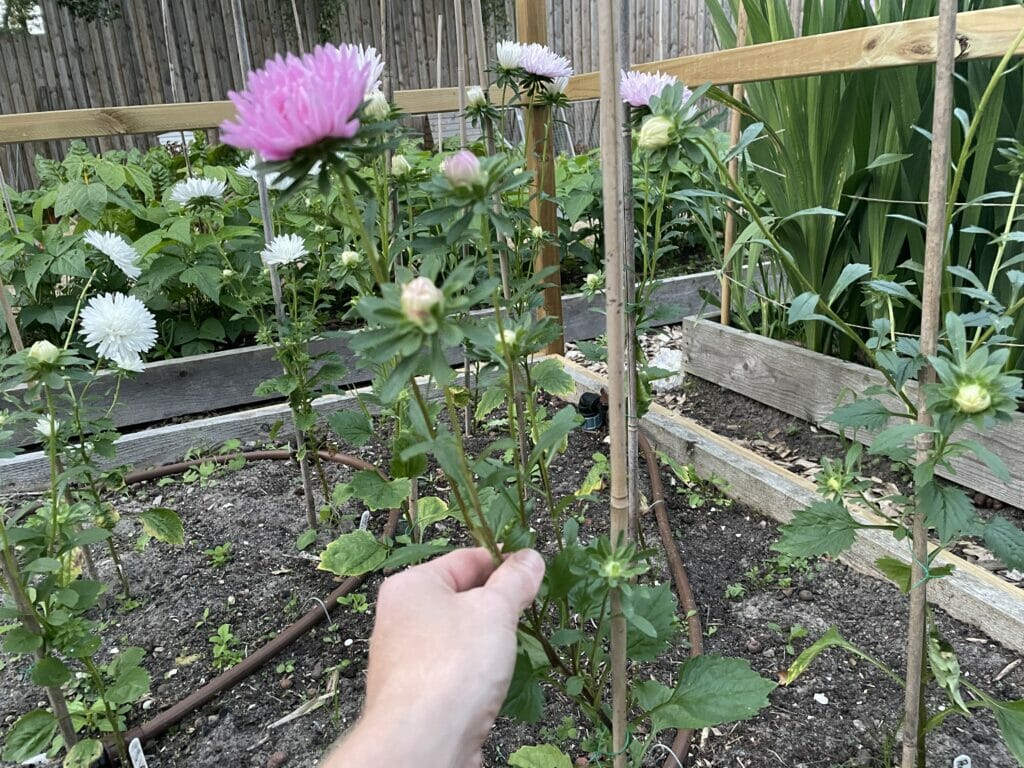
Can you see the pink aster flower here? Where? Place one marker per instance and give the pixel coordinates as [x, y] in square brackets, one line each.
[638, 88]
[296, 102]
[540, 61]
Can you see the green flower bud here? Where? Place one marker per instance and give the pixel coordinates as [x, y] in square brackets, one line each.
[419, 297]
[400, 166]
[972, 398]
[377, 107]
[655, 133]
[44, 352]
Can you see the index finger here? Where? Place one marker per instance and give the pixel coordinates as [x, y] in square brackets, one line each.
[461, 570]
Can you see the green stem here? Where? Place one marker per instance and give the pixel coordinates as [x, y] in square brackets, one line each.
[101, 691]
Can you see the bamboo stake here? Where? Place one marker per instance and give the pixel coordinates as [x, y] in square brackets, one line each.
[165, 18]
[609, 19]
[440, 126]
[5, 301]
[734, 165]
[460, 81]
[298, 28]
[935, 239]
[242, 41]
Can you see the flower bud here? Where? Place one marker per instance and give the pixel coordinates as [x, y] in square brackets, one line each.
[507, 338]
[46, 428]
[400, 166]
[972, 398]
[419, 297]
[44, 352]
[595, 281]
[655, 133]
[463, 170]
[377, 106]
[351, 259]
[537, 232]
[227, 273]
[475, 97]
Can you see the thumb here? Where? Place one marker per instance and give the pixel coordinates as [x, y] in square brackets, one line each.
[518, 578]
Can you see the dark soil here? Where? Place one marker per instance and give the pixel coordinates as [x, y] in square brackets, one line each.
[267, 583]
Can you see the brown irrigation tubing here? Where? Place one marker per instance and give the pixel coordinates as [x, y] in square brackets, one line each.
[681, 743]
[155, 727]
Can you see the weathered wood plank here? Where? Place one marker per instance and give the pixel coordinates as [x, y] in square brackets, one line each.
[986, 34]
[809, 385]
[971, 594]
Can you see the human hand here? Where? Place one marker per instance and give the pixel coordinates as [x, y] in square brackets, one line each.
[441, 660]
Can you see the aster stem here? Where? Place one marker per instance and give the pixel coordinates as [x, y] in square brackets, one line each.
[356, 222]
[78, 310]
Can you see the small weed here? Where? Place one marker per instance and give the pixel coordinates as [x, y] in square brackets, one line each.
[201, 473]
[565, 731]
[225, 648]
[286, 667]
[355, 602]
[219, 555]
[795, 633]
[206, 615]
[698, 491]
[734, 591]
[780, 572]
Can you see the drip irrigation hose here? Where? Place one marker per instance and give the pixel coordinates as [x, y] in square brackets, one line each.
[681, 743]
[170, 717]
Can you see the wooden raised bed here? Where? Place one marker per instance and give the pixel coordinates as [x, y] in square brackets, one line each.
[809, 385]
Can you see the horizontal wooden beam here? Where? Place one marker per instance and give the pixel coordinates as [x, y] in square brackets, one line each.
[983, 34]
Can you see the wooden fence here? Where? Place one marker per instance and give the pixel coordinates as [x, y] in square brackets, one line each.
[135, 60]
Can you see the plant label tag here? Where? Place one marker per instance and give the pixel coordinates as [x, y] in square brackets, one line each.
[961, 761]
[364, 520]
[138, 757]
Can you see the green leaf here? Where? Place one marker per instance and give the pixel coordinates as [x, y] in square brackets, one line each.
[823, 528]
[353, 554]
[802, 310]
[30, 735]
[492, 398]
[988, 458]
[305, 539]
[1006, 542]
[128, 687]
[549, 376]
[376, 492]
[809, 654]
[112, 175]
[946, 508]
[353, 427]
[410, 554]
[164, 525]
[1010, 718]
[43, 565]
[49, 672]
[204, 277]
[525, 698]
[866, 413]
[430, 510]
[541, 756]
[886, 158]
[893, 441]
[714, 690]
[19, 640]
[83, 754]
[851, 273]
[898, 571]
[656, 607]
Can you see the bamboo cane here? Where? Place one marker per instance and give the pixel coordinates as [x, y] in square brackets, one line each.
[734, 165]
[165, 19]
[440, 125]
[298, 28]
[935, 238]
[609, 19]
[242, 41]
[5, 301]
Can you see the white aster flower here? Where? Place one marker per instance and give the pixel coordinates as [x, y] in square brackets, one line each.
[540, 61]
[132, 364]
[119, 328]
[47, 428]
[475, 96]
[284, 249]
[117, 249]
[368, 56]
[556, 86]
[198, 191]
[510, 53]
[377, 106]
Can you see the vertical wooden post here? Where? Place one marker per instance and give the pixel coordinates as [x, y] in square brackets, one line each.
[734, 165]
[931, 298]
[532, 27]
[5, 302]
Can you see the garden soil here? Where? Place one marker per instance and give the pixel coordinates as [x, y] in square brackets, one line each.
[842, 712]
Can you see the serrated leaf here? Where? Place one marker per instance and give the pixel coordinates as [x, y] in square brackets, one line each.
[895, 440]
[352, 426]
[376, 492]
[49, 672]
[353, 554]
[305, 539]
[430, 510]
[410, 554]
[164, 525]
[823, 528]
[946, 508]
[898, 572]
[128, 686]
[866, 413]
[1010, 718]
[549, 376]
[540, 756]
[713, 690]
[995, 464]
[19, 640]
[649, 610]
[83, 754]
[525, 698]
[30, 735]
[204, 277]
[1006, 542]
[490, 400]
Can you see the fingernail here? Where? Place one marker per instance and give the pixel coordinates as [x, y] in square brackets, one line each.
[529, 558]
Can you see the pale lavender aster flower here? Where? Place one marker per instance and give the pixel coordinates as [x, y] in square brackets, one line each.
[463, 169]
[419, 297]
[557, 86]
[119, 328]
[294, 103]
[638, 88]
[117, 249]
[540, 61]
